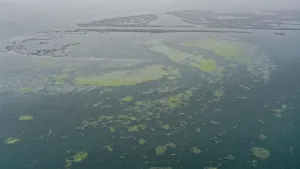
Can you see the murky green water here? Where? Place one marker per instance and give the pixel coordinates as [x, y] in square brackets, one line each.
[229, 110]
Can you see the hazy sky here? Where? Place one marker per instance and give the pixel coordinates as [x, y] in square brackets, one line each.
[183, 3]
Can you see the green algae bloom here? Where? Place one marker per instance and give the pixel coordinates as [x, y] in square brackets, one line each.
[214, 122]
[206, 65]
[235, 51]
[211, 167]
[128, 77]
[284, 106]
[49, 133]
[80, 156]
[166, 127]
[142, 142]
[126, 117]
[195, 150]
[179, 100]
[196, 61]
[231, 50]
[160, 150]
[170, 145]
[198, 130]
[174, 101]
[160, 168]
[61, 77]
[25, 118]
[278, 112]
[262, 137]
[127, 99]
[97, 104]
[12, 140]
[104, 118]
[109, 148]
[260, 153]
[68, 163]
[136, 128]
[218, 93]
[112, 129]
[229, 157]
[77, 158]
[26, 90]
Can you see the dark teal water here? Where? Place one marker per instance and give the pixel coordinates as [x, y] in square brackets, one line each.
[237, 131]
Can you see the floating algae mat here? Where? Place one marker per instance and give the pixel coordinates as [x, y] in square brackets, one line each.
[12, 140]
[142, 142]
[232, 51]
[229, 49]
[128, 78]
[77, 158]
[127, 99]
[197, 61]
[25, 118]
[26, 90]
[260, 153]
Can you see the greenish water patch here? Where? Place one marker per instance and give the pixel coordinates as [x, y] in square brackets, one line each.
[262, 137]
[260, 153]
[171, 145]
[160, 168]
[196, 61]
[142, 142]
[127, 99]
[136, 128]
[236, 52]
[25, 118]
[26, 90]
[160, 150]
[12, 140]
[231, 50]
[206, 65]
[77, 158]
[109, 148]
[128, 77]
[195, 150]
[60, 79]
[219, 93]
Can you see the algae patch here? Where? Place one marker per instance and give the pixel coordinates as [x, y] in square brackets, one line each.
[77, 158]
[206, 65]
[170, 145]
[25, 118]
[128, 77]
[195, 150]
[231, 50]
[127, 99]
[142, 142]
[196, 61]
[160, 168]
[218, 93]
[160, 150]
[238, 52]
[109, 148]
[59, 79]
[260, 153]
[12, 140]
[136, 128]
[262, 137]
[26, 90]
